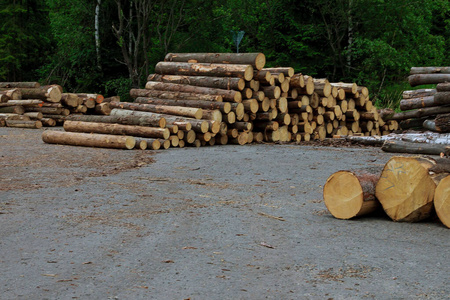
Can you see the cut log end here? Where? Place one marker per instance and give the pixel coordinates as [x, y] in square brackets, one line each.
[348, 195]
[442, 201]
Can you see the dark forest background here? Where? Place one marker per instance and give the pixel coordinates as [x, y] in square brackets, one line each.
[109, 46]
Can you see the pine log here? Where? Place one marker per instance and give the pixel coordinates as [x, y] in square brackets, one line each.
[429, 70]
[112, 99]
[363, 91]
[443, 87]
[142, 118]
[351, 194]
[442, 98]
[48, 122]
[420, 79]
[13, 94]
[418, 93]
[196, 113]
[225, 83]
[201, 126]
[103, 108]
[225, 107]
[205, 69]
[405, 189]
[349, 88]
[412, 103]
[422, 112]
[257, 60]
[32, 124]
[414, 148]
[227, 95]
[286, 71]
[116, 129]
[50, 94]
[32, 85]
[15, 109]
[88, 140]
[134, 93]
[412, 123]
[79, 109]
[442, 201]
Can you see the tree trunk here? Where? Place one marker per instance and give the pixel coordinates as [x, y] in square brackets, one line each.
[422, 112]
[69, 99]
[50, 94]
[420, 79]
[88, 140]
[103, 108]
[224, 107]
[190, 112]
[225, 83]
[16, 109]
[257, 60]
[349, 88]
[442, 98]
[134, 93]
[351, 194]
[116, 129]
[273, 92]
[12, 116]
[412, 103]
[322, 87]
[443, 87]
[143, 118]
[12, 94]
[442, 201]
[26, 102]
[32, 124]
[127, 119]
[412, 123]
[286, 71]
[227, 95]
[418, 93]
[297, 81]
[28, 85]
[414, 148]
[429, 70]
[34, 115]
[205, 69]
[406, 190]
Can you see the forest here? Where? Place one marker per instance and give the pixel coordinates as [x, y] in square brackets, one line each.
[110, 46]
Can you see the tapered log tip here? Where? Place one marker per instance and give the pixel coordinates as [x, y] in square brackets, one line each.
[343, 195]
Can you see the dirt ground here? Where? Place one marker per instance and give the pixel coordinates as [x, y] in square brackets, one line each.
[222, 222]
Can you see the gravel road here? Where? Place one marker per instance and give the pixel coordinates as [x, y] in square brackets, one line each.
[222, 222]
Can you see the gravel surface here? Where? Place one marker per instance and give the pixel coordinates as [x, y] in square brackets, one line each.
[222, 222]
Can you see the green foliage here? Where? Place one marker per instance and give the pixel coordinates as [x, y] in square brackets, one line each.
[118, 87]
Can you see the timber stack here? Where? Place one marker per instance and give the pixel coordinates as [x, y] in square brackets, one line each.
[349, 194]
[30, 105]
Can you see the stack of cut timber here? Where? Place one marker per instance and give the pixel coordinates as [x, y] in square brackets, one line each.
[349, 194]
[30, 105]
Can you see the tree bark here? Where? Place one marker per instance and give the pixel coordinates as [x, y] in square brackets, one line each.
[51, 94]
[227, 95]
[442, 201]
[349, 88]
[225, 83]
[420, 79]
[31, 124]
[89, 140]
[48, 122]
[12, 94]
[34, 115]
[412, 103]
[414, 148]
[127, 119]
[443, 87]
[25, 102]
[16, 109]
[350, 194]
[205, 69]
[103, 108]
[429, 70]
[273, 92]
[224, 107]
[422, 112]
[116, 129]
[70, 99]
[286, 71]
[442, 122]
[134, 93]
[297, 81]
[29, 85]
[190, 112]
[412, 123]
[143, 117]
[50, 110]
[403, 202]
[256, 60]
[418, 93]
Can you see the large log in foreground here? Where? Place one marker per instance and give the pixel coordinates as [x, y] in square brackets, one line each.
[89, 140]
[257, 60]
[442, 201]
[348, 194]
[420, 79]
[406, 190]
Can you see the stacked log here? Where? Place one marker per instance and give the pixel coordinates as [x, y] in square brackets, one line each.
[36, 106]
[350, 194]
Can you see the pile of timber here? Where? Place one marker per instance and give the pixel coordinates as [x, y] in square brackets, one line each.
[30, 105]
[349, 194]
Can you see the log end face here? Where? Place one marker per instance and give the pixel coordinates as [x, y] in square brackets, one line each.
[248, 73]
[442, 201]
[155, 145]
[343, 195]
[260, 61]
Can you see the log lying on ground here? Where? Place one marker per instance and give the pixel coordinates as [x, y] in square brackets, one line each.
[257, 60]
[227, 95]
[225, 107]
[190, 112]
[348, 194]
[406, 190]
[225, 83]
[442, 201]
[205, 69]
[127, 119]
[116, 129]
[420, 79]
[414, 148]
[429, 70]
[422, 112]
[31, 124]
[418, 93]
[134, 93]
[31, 85]
[89, 140]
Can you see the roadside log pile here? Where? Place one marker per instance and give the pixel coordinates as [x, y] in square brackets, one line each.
[349, 194]
[30, 105]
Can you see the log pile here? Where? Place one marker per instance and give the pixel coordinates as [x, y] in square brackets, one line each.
[30, 105]
[349, 194]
